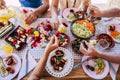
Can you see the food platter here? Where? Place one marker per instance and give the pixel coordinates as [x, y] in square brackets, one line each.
[81, 28]
[71, 14]
[115, 33]
[69, 62]
[17, 38]
[94, 74]
[5, 27]
[40, 36]
[12, 68]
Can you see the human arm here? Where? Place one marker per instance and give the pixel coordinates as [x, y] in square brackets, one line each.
[38, 12]
[114, 12]
[54, 13]
[36, 74]
[91, 51]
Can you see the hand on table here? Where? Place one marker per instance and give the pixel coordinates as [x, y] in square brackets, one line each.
[2, 4]
[55, 22]
[53, 44]
[90, 51]
[31, 18]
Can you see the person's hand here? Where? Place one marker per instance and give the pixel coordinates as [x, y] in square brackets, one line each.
[31, 18]
[2, 4]
[94, 11]
[54, 22]
[53, 44]
[90, 51]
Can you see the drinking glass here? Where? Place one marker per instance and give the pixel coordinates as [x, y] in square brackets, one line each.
[102, 44]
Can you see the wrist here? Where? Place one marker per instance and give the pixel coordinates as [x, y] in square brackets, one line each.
[99, 54]
[100, 14]
[36, 14]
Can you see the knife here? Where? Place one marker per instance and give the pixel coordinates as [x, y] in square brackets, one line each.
[26, 69]
[79, 64]
[112, 68]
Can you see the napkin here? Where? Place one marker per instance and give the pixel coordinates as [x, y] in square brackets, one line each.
[112, 74]
[31, 65]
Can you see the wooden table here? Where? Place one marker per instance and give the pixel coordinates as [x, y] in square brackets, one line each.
[75, 74]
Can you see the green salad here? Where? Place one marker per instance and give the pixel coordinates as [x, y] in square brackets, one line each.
[99, 63]
[81, 31]
[71, 16]
[118, 37]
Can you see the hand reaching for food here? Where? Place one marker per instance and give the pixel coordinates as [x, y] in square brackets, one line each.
[94, 11]
[53, 44]
[90, 51]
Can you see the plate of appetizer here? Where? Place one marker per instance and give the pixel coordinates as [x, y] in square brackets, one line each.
[60, 62]
[63, 39]
[75, 45]
[114, 31]
[81, 28]
[71, 14]
[41, 35]
[10, 65]
[96, 68]
[17, 38]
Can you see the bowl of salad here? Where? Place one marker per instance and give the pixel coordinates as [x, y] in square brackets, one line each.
[82, 28]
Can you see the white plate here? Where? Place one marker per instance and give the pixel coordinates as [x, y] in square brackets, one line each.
[117, 26]
[17, 66]
[93, 74]
[67, 67]
[66, 12]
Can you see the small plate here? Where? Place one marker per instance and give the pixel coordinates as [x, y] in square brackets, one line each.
[117, 26]
[92, 74]
[67, 67]
[66, 12]
[17, 66]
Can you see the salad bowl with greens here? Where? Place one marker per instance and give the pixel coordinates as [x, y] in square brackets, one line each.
[81, 28]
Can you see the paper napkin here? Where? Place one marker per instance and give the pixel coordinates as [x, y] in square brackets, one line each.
[31, 65]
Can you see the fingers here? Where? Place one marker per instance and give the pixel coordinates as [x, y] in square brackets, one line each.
[88, 44]
[56, 41]
[93, 10]
[54, 25]
[52, 40]
[31, 18]
[82, 49]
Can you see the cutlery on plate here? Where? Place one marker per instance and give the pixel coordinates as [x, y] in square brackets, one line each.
[79, 64]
